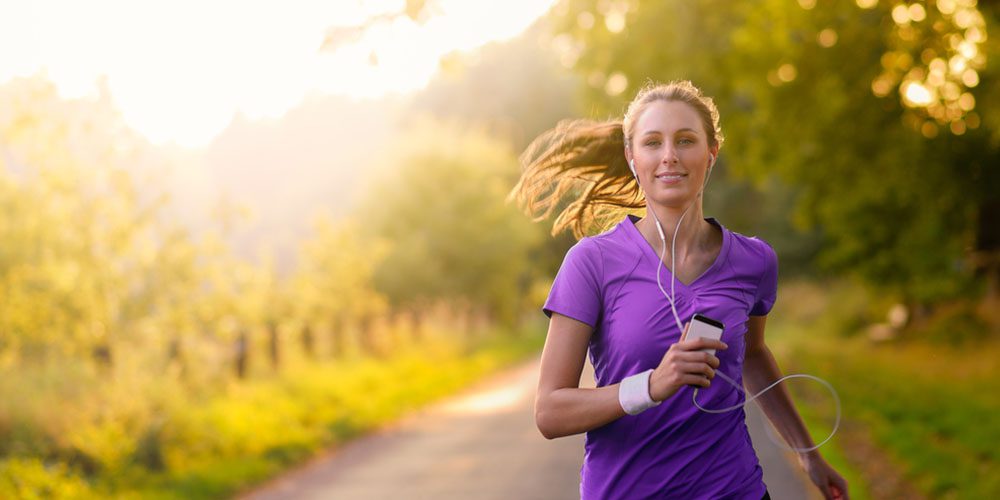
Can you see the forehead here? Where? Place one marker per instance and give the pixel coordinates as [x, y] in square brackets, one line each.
[667, 117]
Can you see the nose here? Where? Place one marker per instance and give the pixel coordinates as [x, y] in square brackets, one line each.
[669, 155]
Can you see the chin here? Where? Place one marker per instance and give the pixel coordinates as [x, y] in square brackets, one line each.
[672, 201]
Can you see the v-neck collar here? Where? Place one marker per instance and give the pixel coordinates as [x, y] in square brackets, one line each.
[653, 258]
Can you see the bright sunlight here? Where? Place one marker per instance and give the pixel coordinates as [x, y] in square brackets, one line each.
[179, 71]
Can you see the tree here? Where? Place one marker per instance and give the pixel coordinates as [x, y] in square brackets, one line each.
[453, 238]
[891, 163]
[334, 282]
[80, 265]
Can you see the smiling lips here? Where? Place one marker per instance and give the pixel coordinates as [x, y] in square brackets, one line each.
[671, 177]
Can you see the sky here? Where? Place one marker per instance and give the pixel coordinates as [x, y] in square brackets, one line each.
[179, 70]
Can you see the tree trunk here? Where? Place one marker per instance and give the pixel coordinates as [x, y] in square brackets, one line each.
[986, 259]
[273, 345]
[242, 353]
[367, 337]
[338, 336]
[176, 362]
[308, 342]
[417, 323]
[101, 353]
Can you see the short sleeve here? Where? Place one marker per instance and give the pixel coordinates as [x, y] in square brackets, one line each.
[767, 286]
[576, 290]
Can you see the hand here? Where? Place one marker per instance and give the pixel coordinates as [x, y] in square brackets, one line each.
[684, 364]
[824, 477]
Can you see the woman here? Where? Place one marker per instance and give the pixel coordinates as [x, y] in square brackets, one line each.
[609, 296]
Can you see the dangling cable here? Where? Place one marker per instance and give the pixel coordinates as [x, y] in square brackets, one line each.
[680, 327]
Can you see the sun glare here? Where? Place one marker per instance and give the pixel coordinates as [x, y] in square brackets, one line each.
[179, 71]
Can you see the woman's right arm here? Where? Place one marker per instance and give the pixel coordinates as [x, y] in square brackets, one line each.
[562, 408]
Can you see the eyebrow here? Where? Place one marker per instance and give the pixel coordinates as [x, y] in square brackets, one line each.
[685, 129]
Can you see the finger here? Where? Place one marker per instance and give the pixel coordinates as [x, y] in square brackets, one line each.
[698, 357]
[684, 334]
[702, 343]
[699, 369]
[696, 380]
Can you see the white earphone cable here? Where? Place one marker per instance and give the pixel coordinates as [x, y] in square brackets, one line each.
[673, 308]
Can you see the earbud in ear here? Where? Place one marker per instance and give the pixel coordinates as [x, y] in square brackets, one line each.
[711, 161]
[631, 165]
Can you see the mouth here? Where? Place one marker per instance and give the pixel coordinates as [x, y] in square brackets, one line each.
[671, 177]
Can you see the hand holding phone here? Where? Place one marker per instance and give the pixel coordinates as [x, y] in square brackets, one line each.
[704, 327]
[684, 364]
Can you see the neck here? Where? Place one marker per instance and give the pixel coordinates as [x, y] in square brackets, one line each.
[691, 234]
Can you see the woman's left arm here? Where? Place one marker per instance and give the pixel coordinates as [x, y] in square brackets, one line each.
[761, 370]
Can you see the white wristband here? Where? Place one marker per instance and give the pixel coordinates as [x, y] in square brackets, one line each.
[633, 393]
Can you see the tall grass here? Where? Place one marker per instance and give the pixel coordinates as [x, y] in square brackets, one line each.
[72, 434]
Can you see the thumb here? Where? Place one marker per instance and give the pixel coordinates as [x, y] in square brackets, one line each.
[684, 334]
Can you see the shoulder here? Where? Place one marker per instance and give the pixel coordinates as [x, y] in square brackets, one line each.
[598, 246]
[587, 248]
[752, 249]
[611, 254]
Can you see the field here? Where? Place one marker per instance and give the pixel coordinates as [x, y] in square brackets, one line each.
[919, 417]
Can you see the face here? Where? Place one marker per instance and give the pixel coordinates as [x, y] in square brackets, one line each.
[671, 153]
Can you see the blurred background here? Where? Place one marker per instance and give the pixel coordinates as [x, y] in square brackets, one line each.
[236, 233]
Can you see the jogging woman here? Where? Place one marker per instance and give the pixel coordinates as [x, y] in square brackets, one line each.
[628, 295]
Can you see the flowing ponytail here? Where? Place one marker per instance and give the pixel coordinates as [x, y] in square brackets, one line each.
[582, 158]
[586, 160]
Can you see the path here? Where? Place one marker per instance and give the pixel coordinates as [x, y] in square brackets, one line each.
[480, 445]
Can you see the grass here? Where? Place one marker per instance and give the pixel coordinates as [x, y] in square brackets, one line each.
[930, 407]
[194, 447]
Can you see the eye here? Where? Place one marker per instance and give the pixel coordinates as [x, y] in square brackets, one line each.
[685, 141]
[653, 142]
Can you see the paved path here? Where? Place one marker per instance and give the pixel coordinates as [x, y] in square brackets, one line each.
[482, 444]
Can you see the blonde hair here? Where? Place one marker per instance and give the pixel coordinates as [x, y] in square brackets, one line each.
[586, 159]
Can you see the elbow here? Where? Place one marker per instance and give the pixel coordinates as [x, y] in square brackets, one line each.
[541, 421]
[545, 423]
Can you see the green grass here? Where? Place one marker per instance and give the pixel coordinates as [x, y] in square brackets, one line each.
[817, 419]
[932, 408]
[194, 447]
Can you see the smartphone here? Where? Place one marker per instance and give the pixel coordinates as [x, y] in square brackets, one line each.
[703, 326]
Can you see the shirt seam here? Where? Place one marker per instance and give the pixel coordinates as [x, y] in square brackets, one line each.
[604, 282]
[757, 297]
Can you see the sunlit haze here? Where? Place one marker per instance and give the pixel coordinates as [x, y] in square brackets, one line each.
[178, 71]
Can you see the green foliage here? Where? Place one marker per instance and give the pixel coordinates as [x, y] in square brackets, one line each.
[955, 324]
[926, 404]
[211, 446]
[118, 330]
[516, 89]
[440, 206]
[895, 207]
[335, 273]
[30, 479]
[87, 262]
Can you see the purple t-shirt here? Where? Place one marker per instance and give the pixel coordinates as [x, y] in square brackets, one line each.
[672, 450]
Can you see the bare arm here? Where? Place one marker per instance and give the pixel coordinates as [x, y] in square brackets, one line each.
[562, 408]
[761, 370]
